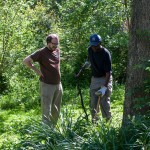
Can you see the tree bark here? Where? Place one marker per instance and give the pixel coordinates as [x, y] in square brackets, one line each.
[136, 99]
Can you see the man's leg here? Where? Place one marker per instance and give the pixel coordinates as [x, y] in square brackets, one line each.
[96, 83]
[105, 107]
[105, 103]
[47, 93]
[56, 104]
[94, 105]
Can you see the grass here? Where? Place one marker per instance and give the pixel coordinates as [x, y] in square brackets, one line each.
[23, 130]
[12, 122]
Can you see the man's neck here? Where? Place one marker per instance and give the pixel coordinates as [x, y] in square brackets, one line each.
[99, 49]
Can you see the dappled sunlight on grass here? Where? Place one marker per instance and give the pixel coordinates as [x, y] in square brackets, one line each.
[12, 122]
[21, 129]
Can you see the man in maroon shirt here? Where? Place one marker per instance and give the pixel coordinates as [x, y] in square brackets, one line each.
[50, 80]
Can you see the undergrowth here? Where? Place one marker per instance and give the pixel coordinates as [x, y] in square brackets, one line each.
[23, 130]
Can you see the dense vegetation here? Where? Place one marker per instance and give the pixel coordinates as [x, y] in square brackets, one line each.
[24, 26]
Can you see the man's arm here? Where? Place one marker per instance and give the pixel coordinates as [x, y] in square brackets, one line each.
[108, 74]
[29, 63]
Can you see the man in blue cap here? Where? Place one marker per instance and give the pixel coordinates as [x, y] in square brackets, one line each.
[101, 81]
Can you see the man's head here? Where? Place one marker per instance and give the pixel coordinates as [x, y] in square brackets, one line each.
[95, 41]
[52, 41]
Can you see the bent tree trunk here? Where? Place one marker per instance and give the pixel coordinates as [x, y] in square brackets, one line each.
[137, 95]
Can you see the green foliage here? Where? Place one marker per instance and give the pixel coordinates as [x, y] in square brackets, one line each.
[24, 95]
[135, 135]
[80, 19]
[24, 25]
[80, 135]
[118, 46]
[12, 124]
[142, 103]
[117, 99]
[3, 84]
[74, 21]
[72, 130]
[146, 66]
[21, 34]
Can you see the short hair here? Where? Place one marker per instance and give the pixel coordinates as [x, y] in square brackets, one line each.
[50, 37]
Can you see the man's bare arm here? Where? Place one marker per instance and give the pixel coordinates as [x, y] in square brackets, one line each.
[108, 74]
[29, 63]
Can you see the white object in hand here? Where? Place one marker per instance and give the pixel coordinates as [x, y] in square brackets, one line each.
[101, 91]
[87, 64]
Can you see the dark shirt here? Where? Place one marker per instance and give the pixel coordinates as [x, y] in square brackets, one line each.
[49, 64]
[100, 62]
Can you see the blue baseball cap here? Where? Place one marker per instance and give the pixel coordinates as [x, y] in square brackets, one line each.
[95, 39]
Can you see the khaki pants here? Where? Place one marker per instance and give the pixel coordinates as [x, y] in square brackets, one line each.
[51, 96]
[104, 101]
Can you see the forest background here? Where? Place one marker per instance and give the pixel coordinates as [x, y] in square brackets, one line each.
[23, 29]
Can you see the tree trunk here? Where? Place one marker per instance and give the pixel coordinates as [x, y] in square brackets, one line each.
[136, 99]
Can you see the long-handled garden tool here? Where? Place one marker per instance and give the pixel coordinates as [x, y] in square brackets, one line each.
[79, 89]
